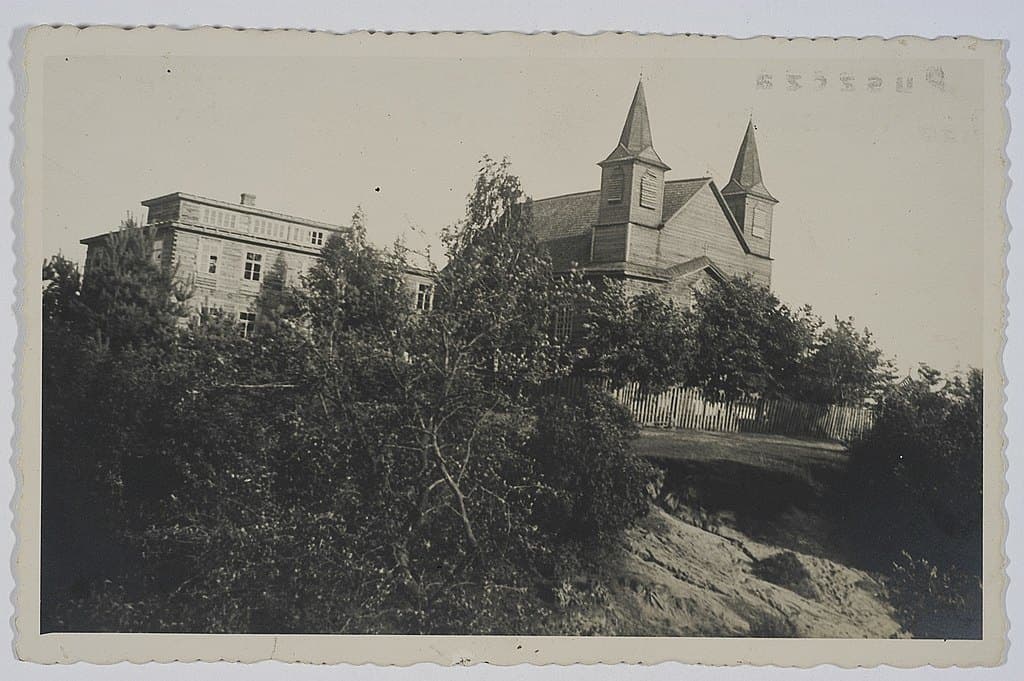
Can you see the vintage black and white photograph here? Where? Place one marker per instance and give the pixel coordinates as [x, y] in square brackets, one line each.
[508, 336]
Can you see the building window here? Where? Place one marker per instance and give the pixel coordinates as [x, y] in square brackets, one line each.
[563, 324]
[158, 252]
[209, 257]
[316, 238]
[424, 297]
[246, 322]
[759, 222]
[649, 190]
[616, 183]
[253, 265]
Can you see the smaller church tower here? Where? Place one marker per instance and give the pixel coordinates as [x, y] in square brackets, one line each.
[748, 198]
[632, 186]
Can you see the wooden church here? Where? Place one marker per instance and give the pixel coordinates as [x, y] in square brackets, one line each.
[652, 232]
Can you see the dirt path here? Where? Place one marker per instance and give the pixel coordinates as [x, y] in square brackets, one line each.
[801, 457]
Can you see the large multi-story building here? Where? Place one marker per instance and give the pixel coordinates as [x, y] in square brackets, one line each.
[669, 235]
[226, 250]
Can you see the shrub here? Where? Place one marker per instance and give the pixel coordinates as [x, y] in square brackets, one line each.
[786, 570]
[914, 500]
[934, 603]
[767, 624]
[916, 480]
[582, 448]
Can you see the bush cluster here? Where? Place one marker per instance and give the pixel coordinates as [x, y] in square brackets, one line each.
[352, 466]
[785, 569]
[914, 495]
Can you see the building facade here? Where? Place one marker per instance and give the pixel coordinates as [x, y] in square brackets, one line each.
[671, 235]
[227, 250]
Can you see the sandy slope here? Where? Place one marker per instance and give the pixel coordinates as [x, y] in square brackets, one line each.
[676, 579]
[735, 499]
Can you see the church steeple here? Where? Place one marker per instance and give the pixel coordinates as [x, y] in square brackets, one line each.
[632, 179]
[635, 142]
[747, 197]
[746, 172]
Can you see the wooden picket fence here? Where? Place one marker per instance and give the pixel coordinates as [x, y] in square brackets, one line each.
[686, 408]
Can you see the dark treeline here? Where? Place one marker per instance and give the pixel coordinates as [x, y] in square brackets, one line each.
[355, 466]
[913, 501]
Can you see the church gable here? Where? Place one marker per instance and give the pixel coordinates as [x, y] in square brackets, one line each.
[682, 290]
[701, 227]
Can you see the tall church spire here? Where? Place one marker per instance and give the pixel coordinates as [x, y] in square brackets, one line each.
[632, 186]
[748, 198]
[636, 142]
[746, 172]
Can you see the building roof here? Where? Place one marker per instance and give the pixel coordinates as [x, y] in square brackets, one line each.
[242, 208]
[658, 274]
[702, 262]
[635, 142]
[563, 223]
[746, 172]
[183, 222]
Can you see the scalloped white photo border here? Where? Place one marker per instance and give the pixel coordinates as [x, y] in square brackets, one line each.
[405, 650]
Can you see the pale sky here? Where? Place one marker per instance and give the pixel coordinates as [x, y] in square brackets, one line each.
[880, 212]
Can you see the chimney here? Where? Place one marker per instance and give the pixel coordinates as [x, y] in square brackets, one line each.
[248, 199]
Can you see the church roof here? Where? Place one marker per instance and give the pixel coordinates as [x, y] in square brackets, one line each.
[702, 262]
[635, 142]
[746, 172]
[659, 274]
[563, 223]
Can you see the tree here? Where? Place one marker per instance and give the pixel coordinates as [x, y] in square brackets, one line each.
[925, 449]
[913, 497]
[845, 367]
[62, 286]
[467, 407]
[368, 468]
[127, 298]
[354, 287]
[277, 302]
[587, 439]
[747, 342]
[642, 338]
[104, 339]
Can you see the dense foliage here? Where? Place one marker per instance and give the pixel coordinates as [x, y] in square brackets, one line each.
[352, 466]
[844, 366]
[643, 338]
[747, 343]
[914, 494]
